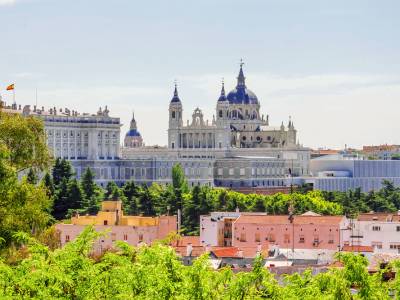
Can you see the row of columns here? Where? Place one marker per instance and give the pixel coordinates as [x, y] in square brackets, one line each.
[197, 140]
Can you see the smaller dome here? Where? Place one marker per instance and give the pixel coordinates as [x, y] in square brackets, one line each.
[133, 132]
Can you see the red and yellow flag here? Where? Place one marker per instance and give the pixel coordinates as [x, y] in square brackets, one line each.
[10, 87]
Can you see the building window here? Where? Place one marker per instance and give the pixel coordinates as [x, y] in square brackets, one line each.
[125, 237]
[67, 238]
[376, 245]
[140, 237]
[105, 222]
[331, 239]
[173, 145]
[257, 237]
[173, 115]
[302, 239]
[220, 172]
[394, 246]
[376, 228]
[113, 236]
[231, 171]
[242, 171]
[243, 237]
[286, 239]
[271, 238]
[397, 228]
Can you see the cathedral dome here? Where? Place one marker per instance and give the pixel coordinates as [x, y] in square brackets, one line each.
[241, 94]
[133, 132]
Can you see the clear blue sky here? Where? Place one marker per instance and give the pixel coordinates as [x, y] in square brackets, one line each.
[334, 66]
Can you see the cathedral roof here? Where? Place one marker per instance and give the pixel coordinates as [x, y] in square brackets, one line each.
[241, 94]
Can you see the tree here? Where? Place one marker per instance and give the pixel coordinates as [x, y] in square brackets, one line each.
[179, 185]
[145, 202]
[47, 182]
[23, 207]
[31, 177]
[25, 139]
[88, 185]
[61, 198]
[62, 170]
[131, 192]
[93, 205]
[112, 191]
[76, 197]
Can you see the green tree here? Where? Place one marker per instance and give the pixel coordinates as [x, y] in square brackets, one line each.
[61, 199]
[131, 192]
[146, 205]
[23, 207]
[62, 169]
[47, 182]
[112, 191]
[88, 185]
[31, 177]
[25, 139]
[179, 185]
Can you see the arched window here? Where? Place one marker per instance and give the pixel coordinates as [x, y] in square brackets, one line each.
[173, 115]
[220, 113]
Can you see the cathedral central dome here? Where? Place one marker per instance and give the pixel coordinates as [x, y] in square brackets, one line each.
[241, 94]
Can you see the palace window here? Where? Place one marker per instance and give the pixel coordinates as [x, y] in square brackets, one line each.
[376, 228]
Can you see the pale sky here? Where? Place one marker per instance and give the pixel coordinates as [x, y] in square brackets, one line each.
[334, 66]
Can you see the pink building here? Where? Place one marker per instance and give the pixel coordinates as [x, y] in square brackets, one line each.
[131, 229]
[305, 232]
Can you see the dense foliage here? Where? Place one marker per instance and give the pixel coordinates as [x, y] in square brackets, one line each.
[24, 206]
[155, 272]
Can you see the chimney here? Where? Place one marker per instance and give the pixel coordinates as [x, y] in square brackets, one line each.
[189, 249]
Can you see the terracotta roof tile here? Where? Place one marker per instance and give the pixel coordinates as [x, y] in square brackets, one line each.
[185, 240]
[225, 252]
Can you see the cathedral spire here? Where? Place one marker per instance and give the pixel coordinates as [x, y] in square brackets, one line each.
[241, 78]
[133, 121]
[175, 98]
[222, 97]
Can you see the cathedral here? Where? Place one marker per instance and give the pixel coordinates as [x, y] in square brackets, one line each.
[237, 149]
[238, 123]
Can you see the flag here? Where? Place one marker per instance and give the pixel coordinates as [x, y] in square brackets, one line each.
[10, 87]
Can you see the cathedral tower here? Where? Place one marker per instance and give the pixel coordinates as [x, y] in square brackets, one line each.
[175, 120]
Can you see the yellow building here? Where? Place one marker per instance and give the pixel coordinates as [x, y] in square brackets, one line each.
[111, 214]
